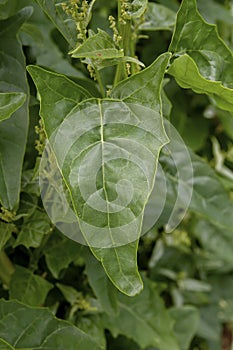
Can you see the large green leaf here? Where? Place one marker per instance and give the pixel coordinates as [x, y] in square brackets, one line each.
[24, 327]
[12, 79]
[28, 288]
[202, 70]
[9, 103]
[144, 319]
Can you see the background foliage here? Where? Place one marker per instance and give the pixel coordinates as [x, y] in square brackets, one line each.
[167, 290]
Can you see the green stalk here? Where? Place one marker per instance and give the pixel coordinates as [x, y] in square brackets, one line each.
[99, 80]
[6, 268]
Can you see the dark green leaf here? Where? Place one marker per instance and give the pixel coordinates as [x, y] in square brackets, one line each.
[59, 253]
[12, 78]
[103, 289]
[43, 330]
[9, 103]
[33, 230]
[144, 319]
[28, 288]
[5, 233]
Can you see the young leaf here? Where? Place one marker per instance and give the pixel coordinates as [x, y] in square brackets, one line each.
[99, 46]
[9, 103]
[5, 233]
[37, 328]
[158, 17]
[136, 8]
[144, 319]
[12, 78]
[202, 68]
[28, 288]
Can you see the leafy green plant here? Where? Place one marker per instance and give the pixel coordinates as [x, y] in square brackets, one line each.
[116, 171]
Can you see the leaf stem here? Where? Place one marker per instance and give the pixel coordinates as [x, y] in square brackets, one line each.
[6, 268]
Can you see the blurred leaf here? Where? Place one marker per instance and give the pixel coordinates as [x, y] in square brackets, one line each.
[28, 288]
[92, 325]
[6, 230]
[34, 228]
[99, 46]
[158, 17]
[44, 331]
[12, 78]
[9, 103]
[144, 319]
[215, 240]
[187, 319]
[213, 12]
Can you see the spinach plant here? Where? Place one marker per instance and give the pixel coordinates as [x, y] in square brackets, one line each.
[116, 168]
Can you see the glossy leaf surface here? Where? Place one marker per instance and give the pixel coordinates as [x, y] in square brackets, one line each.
[202, 70]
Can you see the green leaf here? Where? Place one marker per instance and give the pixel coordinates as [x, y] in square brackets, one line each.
[12, 78]
[5, 233]
[187, 319]
[93, 326]
[187, 75]
[145, 86]
[205, 54]
[158, 17]
[33, 230]
[144, 319]
[4, 345]
[209, 199]
[64, 24]
[101, 138]
[102, 288]
[60, 252]
[214, 240]
[37, 328]
[58, 95]
[99, 46]
[28, 288]
[136, 8]
[9, 103]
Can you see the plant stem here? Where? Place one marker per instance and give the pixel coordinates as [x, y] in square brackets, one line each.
[99, 80]
[6, 268]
